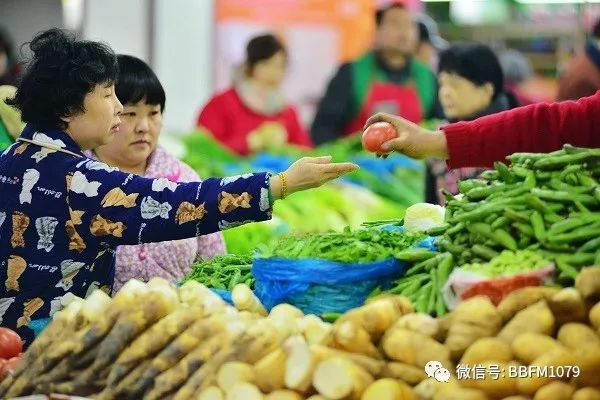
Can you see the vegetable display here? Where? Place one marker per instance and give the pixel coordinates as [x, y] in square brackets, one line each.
[155, 341]
[544, 202]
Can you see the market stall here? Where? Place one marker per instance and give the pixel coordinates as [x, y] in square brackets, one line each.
[496, 296]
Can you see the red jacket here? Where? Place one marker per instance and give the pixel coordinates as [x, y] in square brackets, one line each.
[230, 121]
[535, 128]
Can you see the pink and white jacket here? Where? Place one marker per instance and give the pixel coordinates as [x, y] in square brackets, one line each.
[170, 260]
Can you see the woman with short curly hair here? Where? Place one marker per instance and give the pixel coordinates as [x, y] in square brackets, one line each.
[62, 214]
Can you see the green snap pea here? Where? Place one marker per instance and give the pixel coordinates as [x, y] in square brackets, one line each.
[500, 222]
[590, 245]
[587, 181]
[511, 214]
[504, 173]
[468, 184]
[479, 193]
[490, 175]
[484, 251]
[566, 160]
[563, 196]
[569, 224]
[525, 229]
[456, 228]
[504, 239]
[552, 218]
[579, 235]
[539, 229]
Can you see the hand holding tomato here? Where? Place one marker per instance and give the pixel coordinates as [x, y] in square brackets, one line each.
[409, 138]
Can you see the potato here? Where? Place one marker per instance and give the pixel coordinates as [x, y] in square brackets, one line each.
[388, 389]
[568, 306]
[555, 358]
[428, 388]
[575, 335]
[555, 391]
[494, 386]
[404, 372]
[516, 398]
[588, 360]
[535, 318]
[418, 322]
[413, 348]
[523, 298]
[460, 394]
[487, 349]
[595, 316]
[473, 319]
[587, 393]
[379, 315]
[528, 346]
[588, 283]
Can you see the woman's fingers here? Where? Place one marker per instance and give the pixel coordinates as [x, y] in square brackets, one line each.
[317, 160]
[339, 168]
[380, 117]
[394, 145]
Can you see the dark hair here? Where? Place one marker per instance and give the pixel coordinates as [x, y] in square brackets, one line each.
[475, 62]
[596, 30]
[380, 13]
[137, 81]
[261, 48]
[61, 72]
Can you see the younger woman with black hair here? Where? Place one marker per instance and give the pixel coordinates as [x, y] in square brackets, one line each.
[471, 85]
[253, 116]
[135, 149]
[62, 214]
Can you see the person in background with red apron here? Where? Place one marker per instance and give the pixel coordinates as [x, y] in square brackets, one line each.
[252, 116]
[386, 79]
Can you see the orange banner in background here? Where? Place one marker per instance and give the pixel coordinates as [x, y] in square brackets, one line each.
[353, 19]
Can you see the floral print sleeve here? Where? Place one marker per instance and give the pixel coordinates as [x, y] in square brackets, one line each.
[124, 208]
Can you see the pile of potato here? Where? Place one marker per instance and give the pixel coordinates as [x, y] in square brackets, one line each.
[153, 341]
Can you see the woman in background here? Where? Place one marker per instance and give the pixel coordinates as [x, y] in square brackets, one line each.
[471, 85]
[134, 149]
[10, 118]
[253, 116]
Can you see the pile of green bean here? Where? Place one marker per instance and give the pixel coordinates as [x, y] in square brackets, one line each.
[545, 202]
[223, 272]
[424, 281]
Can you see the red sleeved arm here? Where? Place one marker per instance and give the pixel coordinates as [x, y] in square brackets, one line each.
[297, 134]
[535, 128]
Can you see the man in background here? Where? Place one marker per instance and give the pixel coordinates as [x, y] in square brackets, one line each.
[387, 78]
[581, 77]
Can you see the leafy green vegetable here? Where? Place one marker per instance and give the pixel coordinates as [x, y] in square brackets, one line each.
[360, 246]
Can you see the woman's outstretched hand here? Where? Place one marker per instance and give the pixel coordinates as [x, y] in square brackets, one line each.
[412, 140]
[308, 173]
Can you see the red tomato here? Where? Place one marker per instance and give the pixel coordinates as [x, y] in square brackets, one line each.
[10, 343]
[376, 135]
